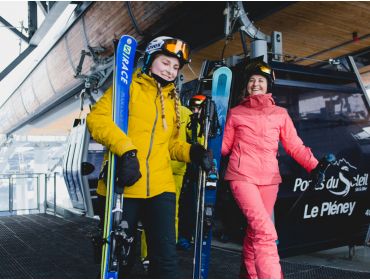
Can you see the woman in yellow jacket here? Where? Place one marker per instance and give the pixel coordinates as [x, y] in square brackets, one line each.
[145, 152]
[178, 172]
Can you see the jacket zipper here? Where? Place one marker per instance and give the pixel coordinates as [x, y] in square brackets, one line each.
[150, 148]
[240, 155]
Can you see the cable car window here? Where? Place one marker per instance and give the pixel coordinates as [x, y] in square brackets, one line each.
[306, 104]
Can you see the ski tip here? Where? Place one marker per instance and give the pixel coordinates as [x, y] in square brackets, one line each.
[223, 69]
[128, 38]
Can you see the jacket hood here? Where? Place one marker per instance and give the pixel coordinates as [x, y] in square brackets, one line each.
[259, 100]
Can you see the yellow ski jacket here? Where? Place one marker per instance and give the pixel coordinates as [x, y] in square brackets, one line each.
[179, 168]
[156, 145]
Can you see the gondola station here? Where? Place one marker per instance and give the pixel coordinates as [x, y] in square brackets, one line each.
[161, 139]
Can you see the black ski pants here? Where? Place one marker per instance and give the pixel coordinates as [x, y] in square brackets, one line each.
[187, 203]
[158, 217]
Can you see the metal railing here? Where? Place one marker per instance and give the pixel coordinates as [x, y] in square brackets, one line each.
[21, 193]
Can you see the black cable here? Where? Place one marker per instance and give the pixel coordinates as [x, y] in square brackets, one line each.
[133, 19]
[244, 44]
[228, 37]
[224, 48]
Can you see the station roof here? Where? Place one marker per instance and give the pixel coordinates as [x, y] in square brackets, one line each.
[313, 32]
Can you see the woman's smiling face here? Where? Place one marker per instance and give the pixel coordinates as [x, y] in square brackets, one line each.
[166, 67]
[257, 84]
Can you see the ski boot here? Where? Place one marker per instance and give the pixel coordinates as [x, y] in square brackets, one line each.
[183, 244]
[145, 263]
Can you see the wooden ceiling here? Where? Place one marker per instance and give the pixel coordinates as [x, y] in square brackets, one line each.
[318, 30]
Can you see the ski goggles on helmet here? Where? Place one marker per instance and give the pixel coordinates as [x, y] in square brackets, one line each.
[260, 68]
[178, 48]
[268, 71]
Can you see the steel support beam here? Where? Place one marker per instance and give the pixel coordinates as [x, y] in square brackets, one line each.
[51, 4]
[13, 29]
[49, 20]
[16, 61]
[36, 35]
[32, 18]
[43, 7]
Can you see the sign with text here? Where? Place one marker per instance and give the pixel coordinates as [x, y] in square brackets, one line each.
[336, 212]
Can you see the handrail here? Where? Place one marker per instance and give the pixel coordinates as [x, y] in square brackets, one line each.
[37, 175]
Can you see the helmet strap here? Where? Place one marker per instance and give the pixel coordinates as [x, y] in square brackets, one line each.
[146, 66]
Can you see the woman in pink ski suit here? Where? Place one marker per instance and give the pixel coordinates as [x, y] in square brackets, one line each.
[252, 133]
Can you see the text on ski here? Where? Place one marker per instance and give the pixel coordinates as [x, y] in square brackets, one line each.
[125, 62]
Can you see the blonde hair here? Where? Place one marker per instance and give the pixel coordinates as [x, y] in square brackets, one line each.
[161, 98]
[174, 95]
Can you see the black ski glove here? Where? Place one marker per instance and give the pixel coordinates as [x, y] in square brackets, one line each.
[127, 170]
[318, 173]
[200, 156]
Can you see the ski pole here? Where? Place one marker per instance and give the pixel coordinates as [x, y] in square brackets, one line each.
[201, 197]
[321, 169]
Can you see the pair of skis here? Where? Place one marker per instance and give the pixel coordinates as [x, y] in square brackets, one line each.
[207, 183]
[116, 243]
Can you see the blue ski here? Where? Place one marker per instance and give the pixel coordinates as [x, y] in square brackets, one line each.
[221, 84]
[113, 225]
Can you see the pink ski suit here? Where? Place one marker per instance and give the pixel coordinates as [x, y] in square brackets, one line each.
[252, 133]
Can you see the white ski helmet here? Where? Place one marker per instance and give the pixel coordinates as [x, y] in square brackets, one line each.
[169, 46]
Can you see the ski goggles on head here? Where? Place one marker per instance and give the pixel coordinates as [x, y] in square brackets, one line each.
[177, 47]
[265, 69]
